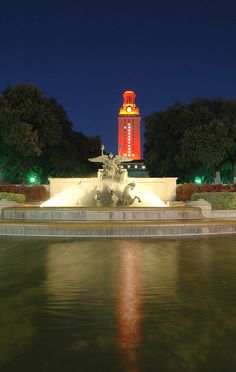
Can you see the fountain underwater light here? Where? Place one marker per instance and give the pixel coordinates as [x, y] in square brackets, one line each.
[109, 190]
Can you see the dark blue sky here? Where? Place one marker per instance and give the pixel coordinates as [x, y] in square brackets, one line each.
[86, 53]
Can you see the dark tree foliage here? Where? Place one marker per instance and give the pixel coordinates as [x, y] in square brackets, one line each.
[36, 134]
[192, 139]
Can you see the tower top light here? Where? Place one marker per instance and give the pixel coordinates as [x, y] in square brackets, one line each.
[129, 107]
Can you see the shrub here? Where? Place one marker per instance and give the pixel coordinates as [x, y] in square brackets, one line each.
[19, 198]
[31, 193]
[185, 191]
[36, 193]
[218, 200]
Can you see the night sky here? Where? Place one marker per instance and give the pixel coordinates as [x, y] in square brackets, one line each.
[86, 53]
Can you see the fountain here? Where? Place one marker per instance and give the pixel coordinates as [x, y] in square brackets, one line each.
[110, 205]
[110, 189]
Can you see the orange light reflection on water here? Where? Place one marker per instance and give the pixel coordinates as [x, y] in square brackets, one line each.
[129, 306]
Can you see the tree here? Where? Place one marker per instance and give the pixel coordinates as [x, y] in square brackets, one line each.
[186, 139]
[207, 145]
[35, 133]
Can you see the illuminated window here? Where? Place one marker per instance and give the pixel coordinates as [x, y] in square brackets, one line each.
[135, 166]
[143, 167]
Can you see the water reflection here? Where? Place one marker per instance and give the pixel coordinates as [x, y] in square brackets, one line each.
[129, 303]
[160, 270]
[118, 305]
[66, 270]
[84, 277]
[20, 291]
[76, 270]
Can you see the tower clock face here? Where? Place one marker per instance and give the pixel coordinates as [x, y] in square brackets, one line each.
[128, 108]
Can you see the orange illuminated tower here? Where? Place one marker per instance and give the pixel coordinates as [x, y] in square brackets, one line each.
[129, 144]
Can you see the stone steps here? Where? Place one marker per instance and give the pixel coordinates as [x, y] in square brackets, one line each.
[109, 223]
[136, 229]
[101, 214]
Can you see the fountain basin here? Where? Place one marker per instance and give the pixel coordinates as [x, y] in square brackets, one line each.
[136, 229]
[85, 214]
[110, 222]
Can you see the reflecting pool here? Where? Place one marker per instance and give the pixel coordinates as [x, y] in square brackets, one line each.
[118, 305]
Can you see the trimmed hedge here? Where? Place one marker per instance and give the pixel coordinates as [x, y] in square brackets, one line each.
[19, 198]
[31, 193]
[218, 200]
[185, 191]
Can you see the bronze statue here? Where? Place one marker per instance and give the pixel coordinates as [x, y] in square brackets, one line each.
[112, 171]
[126, 199]
[111, 164]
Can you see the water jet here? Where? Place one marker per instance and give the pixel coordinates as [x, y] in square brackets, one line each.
[111, 188]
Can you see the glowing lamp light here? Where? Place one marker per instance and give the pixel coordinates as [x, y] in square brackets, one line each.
[198, 180]
[33, 178]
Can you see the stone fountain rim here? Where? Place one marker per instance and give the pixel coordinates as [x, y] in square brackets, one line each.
[120, 208]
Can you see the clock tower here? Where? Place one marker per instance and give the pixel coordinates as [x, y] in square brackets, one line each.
[129, 144]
